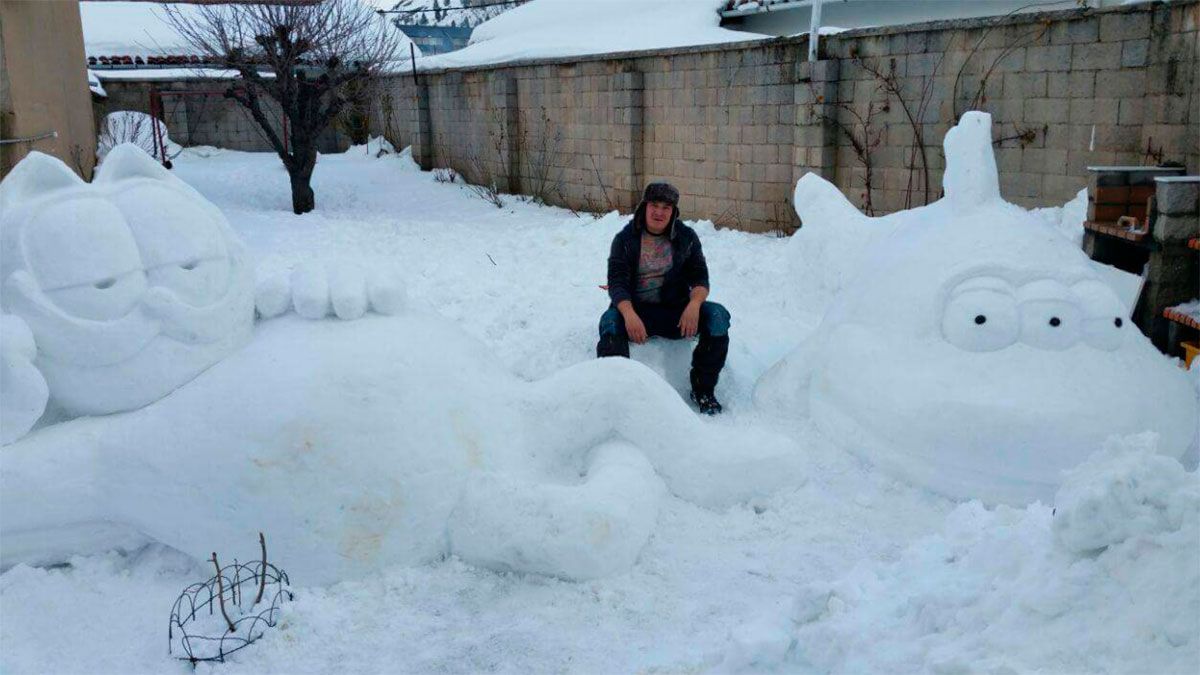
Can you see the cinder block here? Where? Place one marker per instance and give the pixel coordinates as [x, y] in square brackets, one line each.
[1046, 110]
[1133, 53]
[1131, 111]
[1054, 57]
[1073, 32]
[1116, 27]
[1122, 84]
[1096, 56]
[1082, 84]
[1177, 198]
[1176, 228]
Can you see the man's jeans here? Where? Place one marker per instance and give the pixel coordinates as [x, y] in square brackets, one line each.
[663, 321]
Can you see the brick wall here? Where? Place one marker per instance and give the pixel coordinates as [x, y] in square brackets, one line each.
[735, 125]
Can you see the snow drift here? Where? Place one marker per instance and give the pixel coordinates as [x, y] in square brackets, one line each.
[972, 349]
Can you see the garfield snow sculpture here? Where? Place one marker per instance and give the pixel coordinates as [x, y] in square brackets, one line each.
[391, 439]
[973, 350]
[130, 286]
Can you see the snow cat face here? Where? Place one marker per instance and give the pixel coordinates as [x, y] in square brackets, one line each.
[131, 285]
[979, 353]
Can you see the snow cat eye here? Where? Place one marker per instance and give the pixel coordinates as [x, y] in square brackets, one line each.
[1104, 325]
[1050, 317]
[85, 260]
[981, 316]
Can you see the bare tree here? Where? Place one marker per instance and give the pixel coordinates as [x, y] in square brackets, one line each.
[308, 56]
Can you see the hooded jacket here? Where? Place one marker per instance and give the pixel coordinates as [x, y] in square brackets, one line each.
[688, 268]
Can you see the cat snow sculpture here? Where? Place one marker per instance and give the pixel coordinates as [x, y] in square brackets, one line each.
[130, 286]
[353, 445]
[974, 351]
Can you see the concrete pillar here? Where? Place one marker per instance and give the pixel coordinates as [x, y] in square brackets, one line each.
[629, 151]
[45, 103]
[814, 139]
[423, 135]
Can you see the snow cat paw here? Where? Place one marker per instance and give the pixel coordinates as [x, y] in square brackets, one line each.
[23, 390]
[317, 290]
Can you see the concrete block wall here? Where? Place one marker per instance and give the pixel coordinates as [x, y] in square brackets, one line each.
[201, 119]
[734, 126]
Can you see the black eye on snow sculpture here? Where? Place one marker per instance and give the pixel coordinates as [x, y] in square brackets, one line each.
[980, 319]
[1118, 322]
[1055, 321]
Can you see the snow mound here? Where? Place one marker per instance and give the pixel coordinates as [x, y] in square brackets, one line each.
[130, 285]
[972, 349]
[559, 28]
[384, 441]
[1126, 491]
[968, 598]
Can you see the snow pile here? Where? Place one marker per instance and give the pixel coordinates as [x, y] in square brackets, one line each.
[355, 446]
[131, 285]
[560, 28]
[974, 351]
[1067, 219]
[1111, 583]
[95, 85]
[1190, 308]
[129, 126]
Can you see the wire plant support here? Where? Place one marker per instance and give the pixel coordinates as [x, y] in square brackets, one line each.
[229, 612]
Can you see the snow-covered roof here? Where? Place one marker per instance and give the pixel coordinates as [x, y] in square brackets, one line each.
[562, 28]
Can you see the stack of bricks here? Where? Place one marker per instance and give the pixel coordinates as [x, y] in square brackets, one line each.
[1120, 200]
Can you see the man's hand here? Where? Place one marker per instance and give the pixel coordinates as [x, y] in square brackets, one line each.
[689, 322]
[634, 328]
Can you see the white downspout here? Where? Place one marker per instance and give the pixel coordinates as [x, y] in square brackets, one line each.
[814, 28]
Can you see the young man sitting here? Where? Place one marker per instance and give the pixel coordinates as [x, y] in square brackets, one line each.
[658, 284]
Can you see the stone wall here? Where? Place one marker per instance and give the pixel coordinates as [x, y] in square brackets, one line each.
[735, 125]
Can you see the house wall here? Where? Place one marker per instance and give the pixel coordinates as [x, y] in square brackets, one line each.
[43, 84]
[734, 126]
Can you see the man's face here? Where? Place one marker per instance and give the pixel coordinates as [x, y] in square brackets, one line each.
[658, 216]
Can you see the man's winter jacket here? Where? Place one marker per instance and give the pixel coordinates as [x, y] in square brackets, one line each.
[687, 271]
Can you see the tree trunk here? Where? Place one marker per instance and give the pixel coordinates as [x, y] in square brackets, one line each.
[303, 199]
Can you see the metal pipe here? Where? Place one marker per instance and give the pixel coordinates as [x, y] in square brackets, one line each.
[29, 139]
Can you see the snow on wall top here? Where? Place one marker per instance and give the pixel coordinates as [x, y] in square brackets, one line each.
[560, 28]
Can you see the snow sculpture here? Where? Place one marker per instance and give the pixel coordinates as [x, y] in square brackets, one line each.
[130, 285]
[352, 444]
[117, 292]
[974, 351]
[388, 440]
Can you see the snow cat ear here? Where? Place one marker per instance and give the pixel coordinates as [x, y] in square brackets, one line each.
[971, 179]
[129, 161]
[816, 200]
[34, 176]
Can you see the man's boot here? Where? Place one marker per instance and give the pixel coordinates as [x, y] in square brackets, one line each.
[703, 387]
[611, 345]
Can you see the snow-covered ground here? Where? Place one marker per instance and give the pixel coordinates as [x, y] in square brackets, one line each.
[810, 579]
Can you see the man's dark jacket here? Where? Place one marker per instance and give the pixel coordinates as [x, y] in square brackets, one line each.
[687, 271]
